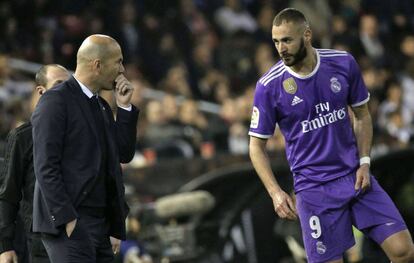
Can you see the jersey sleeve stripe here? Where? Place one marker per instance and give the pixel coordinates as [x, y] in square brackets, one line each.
[326, 51]
[334, 55]
[272, 69]
[361, 102]
[275, 71]
[273, 77]
[258, 135]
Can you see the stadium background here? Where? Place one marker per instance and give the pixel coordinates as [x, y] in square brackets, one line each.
[194, 64]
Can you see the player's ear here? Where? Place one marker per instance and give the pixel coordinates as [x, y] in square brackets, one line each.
[307, 35]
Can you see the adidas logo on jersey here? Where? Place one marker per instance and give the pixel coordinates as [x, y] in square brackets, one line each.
[296, 100]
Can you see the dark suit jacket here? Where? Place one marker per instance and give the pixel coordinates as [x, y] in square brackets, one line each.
[67, 156]
[16, 185]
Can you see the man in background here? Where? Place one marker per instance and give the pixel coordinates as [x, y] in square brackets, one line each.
[17, 181]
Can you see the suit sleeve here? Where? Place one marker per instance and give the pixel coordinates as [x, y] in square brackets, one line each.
[11, 180]
[49, 128]
[126, 132]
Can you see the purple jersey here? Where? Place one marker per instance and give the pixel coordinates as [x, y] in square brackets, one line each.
[312, 113]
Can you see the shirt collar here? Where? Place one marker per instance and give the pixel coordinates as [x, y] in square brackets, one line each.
[85, 90]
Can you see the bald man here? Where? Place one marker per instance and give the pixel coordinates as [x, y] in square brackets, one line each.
[78, 147]
[17, 181]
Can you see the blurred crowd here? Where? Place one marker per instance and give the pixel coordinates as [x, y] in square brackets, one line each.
[210, 50]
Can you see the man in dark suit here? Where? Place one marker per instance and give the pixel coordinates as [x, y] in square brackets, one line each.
[17, 183]
[78, 146]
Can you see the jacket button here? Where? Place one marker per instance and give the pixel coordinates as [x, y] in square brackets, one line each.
[84, 193]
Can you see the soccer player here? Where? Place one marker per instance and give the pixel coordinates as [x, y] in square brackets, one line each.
[307, 94]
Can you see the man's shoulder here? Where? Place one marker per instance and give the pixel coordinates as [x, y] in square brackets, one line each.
[273, 74]
[65, 86]
[20, 136]
[22, 130]
[59, 93]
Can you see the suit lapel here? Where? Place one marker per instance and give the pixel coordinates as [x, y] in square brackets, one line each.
[82, 101]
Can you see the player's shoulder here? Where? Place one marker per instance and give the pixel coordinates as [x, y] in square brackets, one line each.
[334, 55]
[272, 75]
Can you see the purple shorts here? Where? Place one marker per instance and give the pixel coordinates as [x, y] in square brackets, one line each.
[327, 213]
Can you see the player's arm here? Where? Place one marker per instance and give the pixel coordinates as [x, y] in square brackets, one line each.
[363, 133]
[282, 202]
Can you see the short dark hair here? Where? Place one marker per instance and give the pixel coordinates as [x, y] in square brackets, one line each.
[289, 15]
[41, 79]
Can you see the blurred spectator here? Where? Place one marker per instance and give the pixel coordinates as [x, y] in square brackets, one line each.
[158, 130]
[130, 37]
[264, 22]
[397, 130]
[238, 139]
[232, 17]
[319, 15]
[132, 249]
[176, 81]
[370, 39]
[407, 84]
[236, 60]
[343, 36]
[9, 88]
[264, 58]
[171, 108]
[214, 87]
[194, 123]
[404, 52]
[393, 103]
[140, 87]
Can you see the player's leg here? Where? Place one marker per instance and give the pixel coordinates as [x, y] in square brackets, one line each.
[399, 247]
[377, 216]
[326, 221]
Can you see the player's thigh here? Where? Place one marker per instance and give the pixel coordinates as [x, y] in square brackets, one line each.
[326, 225]
[375, 214]
[399, 245]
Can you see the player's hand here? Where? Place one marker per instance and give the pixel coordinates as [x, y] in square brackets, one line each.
[8, 257]
[70, 227]
[363, 181]
[284, 205]
[116, 244]
[123, 91]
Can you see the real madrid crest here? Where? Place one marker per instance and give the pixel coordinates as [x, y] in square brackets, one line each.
[290, 86]
[335, 85]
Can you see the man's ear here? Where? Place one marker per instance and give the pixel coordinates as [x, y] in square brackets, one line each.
[40, 89]
[308, 35]
[97, 65]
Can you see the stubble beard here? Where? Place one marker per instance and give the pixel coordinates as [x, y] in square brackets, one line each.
[298, 56]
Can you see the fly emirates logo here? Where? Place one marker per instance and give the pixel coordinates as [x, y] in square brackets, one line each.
[325, 117]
